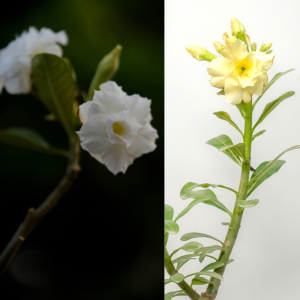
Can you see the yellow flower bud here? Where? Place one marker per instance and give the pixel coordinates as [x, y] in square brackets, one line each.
[219, 46]
[237, 28]
[265, 47]
[200, 53]
[228, 38]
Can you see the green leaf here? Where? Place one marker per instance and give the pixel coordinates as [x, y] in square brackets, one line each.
[169, 212]
[221, 92]
[170, 295]
[193, 235]
[106, 69]
[167, 281]
[184, 257]
[211, 274]
[238, 149]
[225, 223]
[206, 196]
[171, 227]
[208, 249]
[182, 262]
[247, 203]
[271, 106]
[277, 76]
[189, 247]
[54, 86]
[28, 139]
[229, 261]
[257, 134]
[225, 116]
[200, 281]
[263, 172]
[241, 110]
[224, 141]
[213, 266]
[177, 277]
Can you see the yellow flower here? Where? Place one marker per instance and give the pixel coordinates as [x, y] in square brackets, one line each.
[237, 28]
[239, 72]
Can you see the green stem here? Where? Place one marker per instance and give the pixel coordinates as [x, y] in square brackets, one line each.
[183, 284]
[33, 216]
[235, 224]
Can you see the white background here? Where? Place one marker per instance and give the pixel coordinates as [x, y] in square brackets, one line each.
[267, 251]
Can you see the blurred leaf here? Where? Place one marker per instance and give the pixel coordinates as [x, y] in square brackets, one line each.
[263, 172]
[229, 261]
[222, 141]
[225, 223]
[200, 281]
[188, 187]
[221, 92]
[277, 76]
[169, 212]
[271, 106]
[106, 69]
[193, 235]
[177, 277]
[55, 87]
[206, 196]
[213, 266]
[184, 257]
[247, 203]
[71, 68]
[211, 274]
[170, 295]
[208, 249]
[225, 116]
[28, 139]
[167, 281]
[171, 227]
[182, 262]
[258, 134]
[189, 247]
[241, 110]
[238, 149]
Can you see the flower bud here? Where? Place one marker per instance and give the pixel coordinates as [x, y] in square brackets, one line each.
[200, 53]
[269, 52]
[265, 47]
[237, 28]
[228, 38]
[253, 47]
[219, 46]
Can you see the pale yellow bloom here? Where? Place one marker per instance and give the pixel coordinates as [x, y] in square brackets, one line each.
[200, 53]
[219, 46]
[239, 72]
[237, 28]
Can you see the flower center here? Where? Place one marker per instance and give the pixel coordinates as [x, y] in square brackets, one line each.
[118, 128]
[243, 66]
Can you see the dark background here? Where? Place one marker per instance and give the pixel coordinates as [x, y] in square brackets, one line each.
[102, 241]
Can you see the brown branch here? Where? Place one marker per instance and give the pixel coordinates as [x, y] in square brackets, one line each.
[33, 216]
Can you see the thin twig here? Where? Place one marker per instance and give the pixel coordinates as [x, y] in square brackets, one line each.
[33, 216]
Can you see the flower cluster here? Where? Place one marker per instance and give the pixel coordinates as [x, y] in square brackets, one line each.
[116, 127]
[241, 70]
[15, 59]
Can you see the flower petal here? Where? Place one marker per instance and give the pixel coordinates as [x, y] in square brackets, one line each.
[260, 84]
[236, 50]
[112, 87]
[266, 60]
[219, 68]
[19, 84]
[83, 112]
[233, 92]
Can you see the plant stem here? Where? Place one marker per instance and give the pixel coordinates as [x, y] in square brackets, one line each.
[33, 216]
[235, 224]
[183, 284]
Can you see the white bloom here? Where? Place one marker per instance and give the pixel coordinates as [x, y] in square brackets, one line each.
[116, 127]
[15, 59]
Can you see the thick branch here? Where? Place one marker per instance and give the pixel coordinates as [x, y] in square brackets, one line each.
[33, 216]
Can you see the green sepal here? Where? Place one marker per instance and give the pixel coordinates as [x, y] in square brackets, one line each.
[171, 227]
[29, 139]
[106, 69]
[271, 106]
[226, 117]
[247, 203]
[53, 84]
[193, 235]
[222, 141]
[238, 149]
[277, 76]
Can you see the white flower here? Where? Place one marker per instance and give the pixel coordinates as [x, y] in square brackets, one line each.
[15, 59]
[116, 127]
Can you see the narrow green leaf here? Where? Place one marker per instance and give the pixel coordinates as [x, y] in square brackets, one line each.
[238, 149]
[200, 281]
[184, 257]
[169, 212]
[170, 295]
[205, 196]
[271, 106]
[171, 227]
[225, 223]
[182, 262]
[229, 261]
[264, 171]
[224, 141]
[258, 134]
[241, 110]
[247, 203]
[277, 76]
[225, 116]
[188, 187]
[193, 235]
[211, 274]
[212, 266]
[28, 139]
[167, 281]
[54, 86]
[178, 277]
[189, 247]
[208, 249]
[106, 69]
